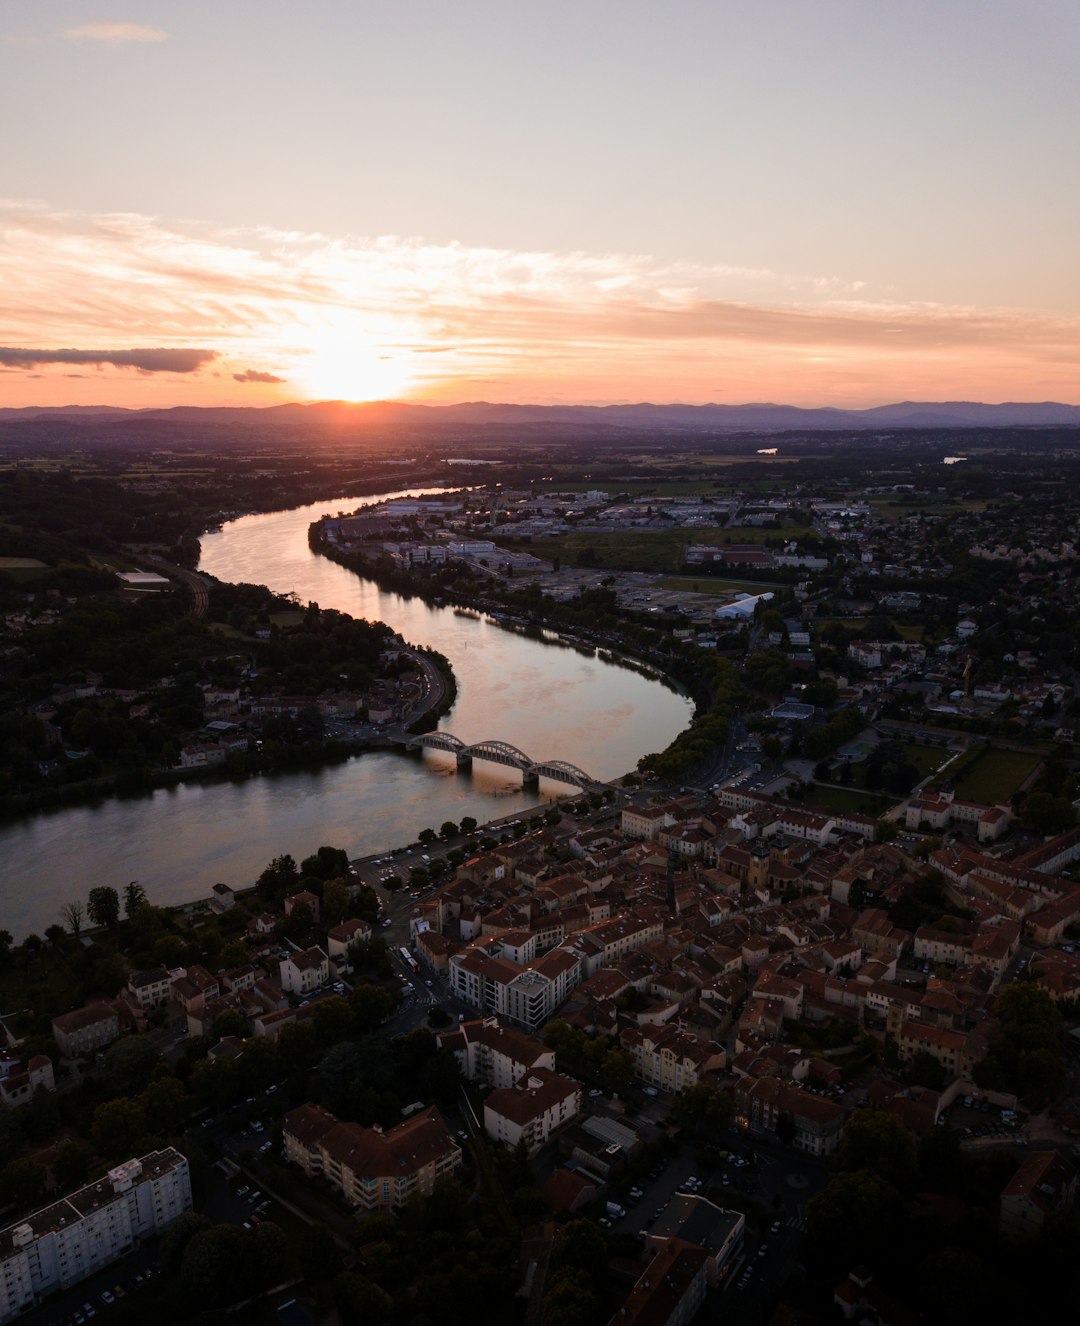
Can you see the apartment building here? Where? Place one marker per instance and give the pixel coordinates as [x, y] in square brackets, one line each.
[669, 1058]
[531, 1111]
[373, 1169]
[527, 996]
[85, 1030]
[62, 1244]
[149, 989]
[499, 1056]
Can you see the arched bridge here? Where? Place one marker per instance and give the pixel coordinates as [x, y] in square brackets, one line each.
[501, 752]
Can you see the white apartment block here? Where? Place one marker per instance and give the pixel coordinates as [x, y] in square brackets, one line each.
[303, 972]
[527, 996]
[62, 1244]
[530, 1112]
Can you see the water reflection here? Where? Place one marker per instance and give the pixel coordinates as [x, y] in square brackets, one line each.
[550, 702]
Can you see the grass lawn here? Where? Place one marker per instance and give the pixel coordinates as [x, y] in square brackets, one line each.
[21, 564]
[927, 759]
[995, 775]
[846, 798]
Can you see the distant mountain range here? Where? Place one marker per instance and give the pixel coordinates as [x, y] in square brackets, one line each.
[680, 418]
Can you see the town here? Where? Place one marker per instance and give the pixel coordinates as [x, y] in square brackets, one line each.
[723, 1035]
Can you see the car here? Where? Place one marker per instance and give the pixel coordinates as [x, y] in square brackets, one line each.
[79, 1319]
[762, 1250]
[595, 1092]
[89, 1311]
[241, 1192]
[108, 1298]
[774, 1228]
[118, 1291]
[650, 1091]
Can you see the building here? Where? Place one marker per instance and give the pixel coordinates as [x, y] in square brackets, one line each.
[85, 1030]
[531, 1111]
[62, 1244]
[499, 1056]
[341, 936]
[670, 1290]
[306, 971]
[19, 1081]
[149, 989]
[373, 1169]
[698, 1221]
[525, 995]
[1044, 1185]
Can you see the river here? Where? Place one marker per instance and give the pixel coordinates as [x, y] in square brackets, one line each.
[550, 702]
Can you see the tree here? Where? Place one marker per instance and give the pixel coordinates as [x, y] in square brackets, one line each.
[177, 1236]
[117, 1127]
[427, 836]
[335, 901]
[879, 1142]
[468, 824]
[23, 1183]
[580, 1246]
[277, 879]
[72, 915]
[166, 1105]
[1044, 814]
[71, 1166]
[130, 1063]
[332, 1019]
[103, 906]
[134, 897]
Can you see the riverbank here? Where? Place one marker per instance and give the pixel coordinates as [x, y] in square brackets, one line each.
[710, 679]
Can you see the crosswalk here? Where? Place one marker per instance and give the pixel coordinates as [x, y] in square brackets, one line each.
[795, 1222]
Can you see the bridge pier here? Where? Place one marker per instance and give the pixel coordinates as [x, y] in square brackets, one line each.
[530, 780]
[464, 761]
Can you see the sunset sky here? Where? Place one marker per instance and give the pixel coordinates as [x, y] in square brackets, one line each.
[841, 202]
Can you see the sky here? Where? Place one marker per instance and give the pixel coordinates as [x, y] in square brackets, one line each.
[820, 202]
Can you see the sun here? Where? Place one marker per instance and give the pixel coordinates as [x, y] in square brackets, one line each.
[352, 368]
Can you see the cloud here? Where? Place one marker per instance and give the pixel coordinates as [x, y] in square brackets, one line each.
[569, 325]
[253, 375]
[115, 34]
[146, 361]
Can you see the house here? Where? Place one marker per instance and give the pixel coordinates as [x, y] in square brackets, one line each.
[342, 936]
[305, 899]
[1044, 1185]
[85, 1030]
[149, 989]
[305, 971]
[373, 1169]
[531, 1111]
[19, 1081]
[816, 1122]
[222, 898]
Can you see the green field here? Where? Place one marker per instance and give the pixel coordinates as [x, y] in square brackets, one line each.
[995, 775]
[21, 564]
[846, 798]
[650, 550]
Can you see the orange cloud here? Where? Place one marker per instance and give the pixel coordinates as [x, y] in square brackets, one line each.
[399, 316]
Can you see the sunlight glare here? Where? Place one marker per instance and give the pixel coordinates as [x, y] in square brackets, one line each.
[350, 367]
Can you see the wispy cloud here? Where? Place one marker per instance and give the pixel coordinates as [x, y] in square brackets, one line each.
[545, 325]
[146, 361]
[115, 34]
